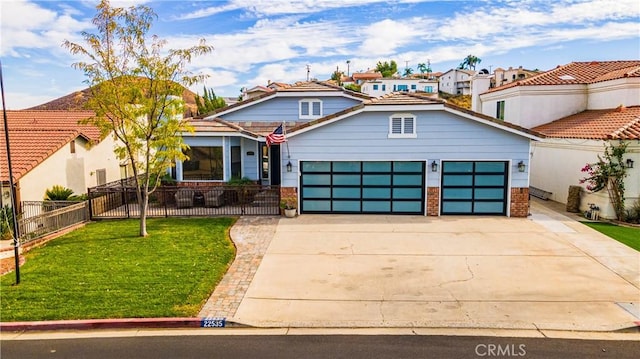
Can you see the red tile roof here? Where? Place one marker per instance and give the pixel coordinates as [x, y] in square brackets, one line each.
[36, 135]
[580, 73]
[366, 75]
[622, 123]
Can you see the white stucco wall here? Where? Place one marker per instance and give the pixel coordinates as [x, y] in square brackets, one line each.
[531, 106]
[556, 164]
[611, 94]
[76, 171]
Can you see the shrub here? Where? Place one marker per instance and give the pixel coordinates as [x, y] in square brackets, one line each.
[61, 193]
[6, 222]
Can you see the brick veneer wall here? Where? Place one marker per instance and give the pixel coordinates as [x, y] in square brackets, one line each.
[289, 192]
[433, 201]
[519, 202]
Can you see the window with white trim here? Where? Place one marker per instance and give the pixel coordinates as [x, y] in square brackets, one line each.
[402, 126]
[310, 109]
[101, 176]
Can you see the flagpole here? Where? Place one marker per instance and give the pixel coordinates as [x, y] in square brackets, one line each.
[284, 131]
[16, 242]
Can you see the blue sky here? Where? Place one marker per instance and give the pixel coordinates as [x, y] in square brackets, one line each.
[260, 40]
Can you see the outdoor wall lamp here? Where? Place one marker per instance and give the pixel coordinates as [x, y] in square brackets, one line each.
[434, 166]
[629, 163]
[521, 166]
[289, 166]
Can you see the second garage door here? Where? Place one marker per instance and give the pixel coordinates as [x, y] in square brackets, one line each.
[474, 187]
[386, 187]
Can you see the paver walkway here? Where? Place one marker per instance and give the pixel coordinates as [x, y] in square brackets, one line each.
[252, 236]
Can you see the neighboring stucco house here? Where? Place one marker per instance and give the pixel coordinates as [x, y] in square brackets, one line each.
[384, 86]
[52, 148]
[360, 77]
[579, 106]
[576, 140]
[456, 82]
[403, 153]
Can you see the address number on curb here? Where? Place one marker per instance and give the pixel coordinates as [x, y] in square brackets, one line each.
[213, 322]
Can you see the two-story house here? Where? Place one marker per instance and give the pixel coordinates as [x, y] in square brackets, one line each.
[346, 152]
[456, 82]
[580, 107]
[502, 77]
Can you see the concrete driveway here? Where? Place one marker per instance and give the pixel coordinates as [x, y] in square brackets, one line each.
[543, 272]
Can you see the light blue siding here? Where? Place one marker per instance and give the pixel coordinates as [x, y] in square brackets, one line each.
[286, 109]
[440, 136]
[250, 162]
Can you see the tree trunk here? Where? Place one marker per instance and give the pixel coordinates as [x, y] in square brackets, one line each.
[616, 198]
[143, 200]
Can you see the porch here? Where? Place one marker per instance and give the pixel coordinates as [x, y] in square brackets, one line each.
[189, 199]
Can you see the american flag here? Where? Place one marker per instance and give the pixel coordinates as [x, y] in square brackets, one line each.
[277, 136]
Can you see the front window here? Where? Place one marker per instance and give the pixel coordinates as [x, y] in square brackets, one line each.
[402, 126]
[428, 89]
[204, 163]
[310, 109]
[403, 88]
[375, 87]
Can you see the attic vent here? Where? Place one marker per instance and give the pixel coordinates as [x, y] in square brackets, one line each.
[567, 77]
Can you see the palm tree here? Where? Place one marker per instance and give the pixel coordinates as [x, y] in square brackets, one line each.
[470, 62]
[422, 67]
[407, 71]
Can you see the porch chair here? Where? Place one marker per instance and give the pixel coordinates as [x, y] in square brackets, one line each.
[214, 198]
[184, 198]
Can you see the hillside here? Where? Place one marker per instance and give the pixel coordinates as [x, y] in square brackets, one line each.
[463, 101]
[78, 99]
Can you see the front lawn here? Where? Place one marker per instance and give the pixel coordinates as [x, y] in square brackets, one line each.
[104, 270]
[627, 235]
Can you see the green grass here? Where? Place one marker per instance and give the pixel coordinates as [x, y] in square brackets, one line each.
[627, 235]
[104, 270]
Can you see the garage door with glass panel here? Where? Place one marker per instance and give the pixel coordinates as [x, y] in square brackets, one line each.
[386, 187]
[474, 187]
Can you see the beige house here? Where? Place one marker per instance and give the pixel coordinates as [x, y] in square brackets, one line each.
[52, 148]
[502, 77]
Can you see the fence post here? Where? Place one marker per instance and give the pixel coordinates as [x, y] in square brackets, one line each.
[164, 200]
[126, 201]
[89, 199]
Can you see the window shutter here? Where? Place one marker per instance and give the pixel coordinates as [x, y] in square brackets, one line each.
[408, 125]
[396, 125]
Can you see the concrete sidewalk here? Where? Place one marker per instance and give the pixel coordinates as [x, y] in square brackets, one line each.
[543, 272]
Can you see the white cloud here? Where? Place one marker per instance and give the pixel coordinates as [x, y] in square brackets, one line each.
[384, 37]
[45, 29]
[261, 8]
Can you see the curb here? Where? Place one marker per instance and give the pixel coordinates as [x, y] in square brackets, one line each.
[125, 323]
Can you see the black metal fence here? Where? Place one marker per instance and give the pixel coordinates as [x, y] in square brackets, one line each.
[119, 200]
[39, 218]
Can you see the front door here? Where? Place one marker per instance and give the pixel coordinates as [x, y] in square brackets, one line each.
[270, 164]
